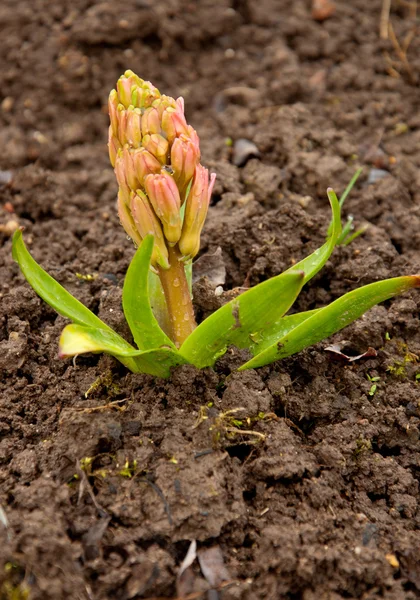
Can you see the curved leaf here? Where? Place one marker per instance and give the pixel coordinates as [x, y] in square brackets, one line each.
[332, 318]
[244, 320]
[50, 290]
[136, 303]
[279, 329]
[315, 261]
[77, 339]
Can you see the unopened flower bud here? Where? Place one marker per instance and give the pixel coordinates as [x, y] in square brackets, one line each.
[150, 121]
[162, 103]
[133, 127]
[147, 222]
[127, 220]
[120, 173]
[173, 123]
[164, 197]
[144, 164]
[113, 111]
[113, 146]
[124, 85]
[157, 145]
[195, 211]
[122, 124]
[150, 94]
[185, 155]
[127, 165]
[180, 104]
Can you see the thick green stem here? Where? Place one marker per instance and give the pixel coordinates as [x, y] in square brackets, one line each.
[178, 298]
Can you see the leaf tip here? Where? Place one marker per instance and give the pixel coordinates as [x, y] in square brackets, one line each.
[415, 280]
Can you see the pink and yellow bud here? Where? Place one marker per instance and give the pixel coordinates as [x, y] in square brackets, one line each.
[150, 121]
[124, 85]
[173, 123]
[133, 132]
[120, 172]
[128, 166]
[127, 220]
[113, 111]
[185, 155]
[162, 103]
[156, 157]
[196, 211]
[180, 104]
[113, 146]
[164, 196]
[144, 164]
[157, 145]
[147, 222]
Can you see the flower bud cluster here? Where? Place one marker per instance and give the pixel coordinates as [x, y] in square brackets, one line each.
[156, 158]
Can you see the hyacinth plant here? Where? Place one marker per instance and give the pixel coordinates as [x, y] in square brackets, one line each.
[163, 197]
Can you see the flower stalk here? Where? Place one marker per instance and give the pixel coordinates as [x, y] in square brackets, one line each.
[178, 298]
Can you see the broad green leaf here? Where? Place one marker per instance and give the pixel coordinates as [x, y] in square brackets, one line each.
[242, 321]
[315, 261]
[332, 318]
[50, 290]
[77, 339]
[279, 329]
[136, 304]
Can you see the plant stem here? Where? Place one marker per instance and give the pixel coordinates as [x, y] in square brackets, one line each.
[178, 298]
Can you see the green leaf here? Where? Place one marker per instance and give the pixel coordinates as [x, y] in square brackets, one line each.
[315, 261]
[242, 321]
[332, 318]
[77, 339]
[279, 329]
[158, 302]
[50, 290]
[136, 304]
[345, 194]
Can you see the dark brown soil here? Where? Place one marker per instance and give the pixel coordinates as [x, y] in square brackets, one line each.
[106, 477]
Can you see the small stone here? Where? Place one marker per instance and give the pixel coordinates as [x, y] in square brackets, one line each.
[376, 175]
[9, 227]
[7, 104]
[393, 560]
[243, 150]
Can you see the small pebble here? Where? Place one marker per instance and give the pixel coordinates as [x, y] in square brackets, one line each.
[376, 175]
[243, 150]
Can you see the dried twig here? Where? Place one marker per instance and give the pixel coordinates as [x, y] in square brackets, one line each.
[387, 32]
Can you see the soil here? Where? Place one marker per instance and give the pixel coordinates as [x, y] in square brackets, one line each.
[107, 477]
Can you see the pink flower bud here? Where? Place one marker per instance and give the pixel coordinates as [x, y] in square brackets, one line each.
[127, 221]
[150, 121]
[122, 124]
[164, 197]
[113, 111]
[147, 222]
[144, 164]
[133, 127]
[185, 155]
[113, 146]
[156, 145]
[124, 85]
[149, 94]
[162, 103]
[120, 172]
[196, 211]
[128, 165]
[173, 123]
[181, 104]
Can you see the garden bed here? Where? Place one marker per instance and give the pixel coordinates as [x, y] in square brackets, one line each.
[303, 474]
